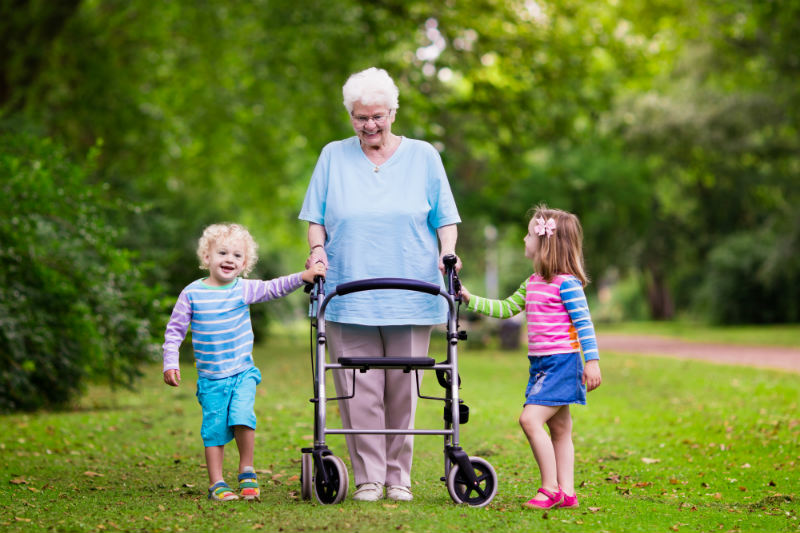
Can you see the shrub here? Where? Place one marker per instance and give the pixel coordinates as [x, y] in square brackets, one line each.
[749, 281]
[72, 305]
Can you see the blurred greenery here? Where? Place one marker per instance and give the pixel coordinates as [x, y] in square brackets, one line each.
[670, 128]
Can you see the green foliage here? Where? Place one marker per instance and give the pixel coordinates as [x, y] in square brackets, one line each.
[746, 284]
[72, 304]
[668, 127]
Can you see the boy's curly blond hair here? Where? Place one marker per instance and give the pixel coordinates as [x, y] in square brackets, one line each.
[225, 232]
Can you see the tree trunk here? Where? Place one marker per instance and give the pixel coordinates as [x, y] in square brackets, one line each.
[658, 296]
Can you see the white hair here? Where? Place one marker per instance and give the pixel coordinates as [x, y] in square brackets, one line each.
[373, 86]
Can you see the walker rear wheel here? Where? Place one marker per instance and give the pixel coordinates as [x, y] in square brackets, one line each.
[336, 489]
[306, 467]
[474, 496]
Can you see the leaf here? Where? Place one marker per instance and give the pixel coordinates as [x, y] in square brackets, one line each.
[93, 474]
[594, 509]
[649, 461]
[294, 478]
[18, 481]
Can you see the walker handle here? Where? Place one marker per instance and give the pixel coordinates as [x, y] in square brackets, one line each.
[387, 283]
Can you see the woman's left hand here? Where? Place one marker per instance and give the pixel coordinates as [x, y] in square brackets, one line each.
[441, 262]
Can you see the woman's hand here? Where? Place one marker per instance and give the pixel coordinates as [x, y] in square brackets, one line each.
[591, 375]
[441, 262]
[172, 377]
[316, 243]
[317, 255]
[317, 269]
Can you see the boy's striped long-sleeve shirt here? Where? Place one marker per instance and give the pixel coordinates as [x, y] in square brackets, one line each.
[222, 334]
[557, 314]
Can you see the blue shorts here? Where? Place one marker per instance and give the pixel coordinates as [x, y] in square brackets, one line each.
[227, 402]
[556, 380]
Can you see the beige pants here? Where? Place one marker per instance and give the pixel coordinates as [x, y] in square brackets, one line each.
[383, 398]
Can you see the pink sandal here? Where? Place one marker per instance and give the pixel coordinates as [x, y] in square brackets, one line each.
[569, 502]
[553, 499]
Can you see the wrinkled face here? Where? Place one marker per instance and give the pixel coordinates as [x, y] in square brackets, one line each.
[372, 123]
[531, 241]
[225, 262]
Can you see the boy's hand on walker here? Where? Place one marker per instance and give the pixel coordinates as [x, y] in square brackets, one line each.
[172, 377]
[591, 375]
[317, 269]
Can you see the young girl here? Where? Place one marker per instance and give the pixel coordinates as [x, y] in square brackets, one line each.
[217, 308]
[559, 328]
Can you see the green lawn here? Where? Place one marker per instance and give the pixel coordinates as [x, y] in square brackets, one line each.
[664, 445]
[773, 335]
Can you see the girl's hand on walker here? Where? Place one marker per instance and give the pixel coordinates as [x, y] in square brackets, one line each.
[317, 269]
[591, 375]
[465, 295]
[172, 377]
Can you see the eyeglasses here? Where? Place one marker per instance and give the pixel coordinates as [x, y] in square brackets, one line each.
[363, 120]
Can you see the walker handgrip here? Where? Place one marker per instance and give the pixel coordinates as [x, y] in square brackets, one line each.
[387, 283]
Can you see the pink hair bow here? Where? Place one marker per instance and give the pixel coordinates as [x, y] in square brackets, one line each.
[543, 227]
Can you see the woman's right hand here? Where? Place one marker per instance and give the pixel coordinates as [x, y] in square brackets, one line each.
[317, 255]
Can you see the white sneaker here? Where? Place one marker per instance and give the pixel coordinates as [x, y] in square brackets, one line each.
[368, 492]
[399, 493]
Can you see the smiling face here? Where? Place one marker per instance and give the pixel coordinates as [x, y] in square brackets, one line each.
[372, 124]
[225, 260]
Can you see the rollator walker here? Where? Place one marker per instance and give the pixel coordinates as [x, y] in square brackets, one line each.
[470, 480]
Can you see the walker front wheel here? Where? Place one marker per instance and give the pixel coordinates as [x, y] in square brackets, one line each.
[306, 468]
[335, 490]
[477, 495]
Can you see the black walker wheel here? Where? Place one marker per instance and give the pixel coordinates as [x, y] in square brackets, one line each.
[474, 496]
[336, 489]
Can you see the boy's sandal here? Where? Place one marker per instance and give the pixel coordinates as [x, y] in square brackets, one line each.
[248, 486]
[553, 499]
[221, 492]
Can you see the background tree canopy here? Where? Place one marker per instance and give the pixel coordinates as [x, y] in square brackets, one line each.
[670, 128]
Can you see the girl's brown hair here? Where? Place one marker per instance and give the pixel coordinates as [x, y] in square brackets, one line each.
[561, 252]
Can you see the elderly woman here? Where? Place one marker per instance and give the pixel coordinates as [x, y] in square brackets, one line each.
[375, 206]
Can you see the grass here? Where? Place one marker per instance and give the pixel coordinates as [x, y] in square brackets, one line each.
[664, 445]
[787, 335]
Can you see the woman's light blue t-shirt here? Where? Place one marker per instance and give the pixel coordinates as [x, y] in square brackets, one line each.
[381, 224]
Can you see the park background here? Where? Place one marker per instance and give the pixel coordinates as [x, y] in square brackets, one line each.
[669, 128]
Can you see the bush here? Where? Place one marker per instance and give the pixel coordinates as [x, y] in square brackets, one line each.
[72, 305]
[748, 281]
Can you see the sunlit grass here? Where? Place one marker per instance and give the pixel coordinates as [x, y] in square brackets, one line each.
[663, 445]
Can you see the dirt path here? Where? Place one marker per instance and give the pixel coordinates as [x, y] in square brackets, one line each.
[787, 359]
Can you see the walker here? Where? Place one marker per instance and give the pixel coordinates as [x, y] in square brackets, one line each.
[470, 480]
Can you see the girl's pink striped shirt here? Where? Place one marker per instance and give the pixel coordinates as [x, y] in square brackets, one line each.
[550, 329]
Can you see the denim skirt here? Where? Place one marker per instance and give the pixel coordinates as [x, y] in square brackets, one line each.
[556, 380]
